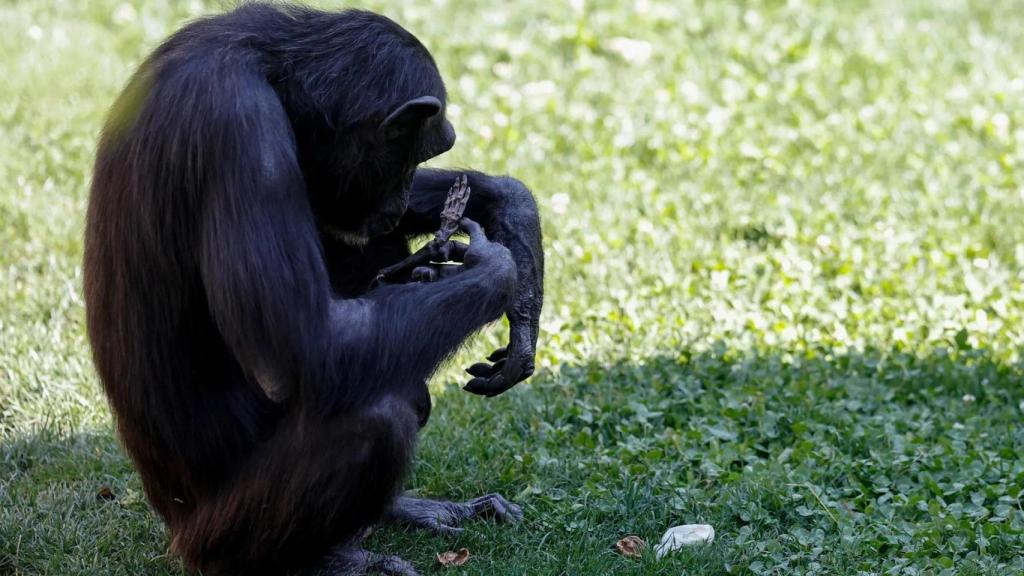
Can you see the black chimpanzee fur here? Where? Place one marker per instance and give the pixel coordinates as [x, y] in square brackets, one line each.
[257, 171]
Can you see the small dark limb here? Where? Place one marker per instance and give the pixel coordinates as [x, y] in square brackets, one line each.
[445, 518]
[454, 207]
[442, 248]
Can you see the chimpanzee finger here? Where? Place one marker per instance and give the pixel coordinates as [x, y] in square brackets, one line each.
[476, 233]
[477, 386]
[526, 373]
[498, 384]
[443, 529]
[519, 368]
[496, 505]
[487, 386]
[498, 354]
[480, 370]
[456, 251]
[450, 251]
[485, 370]
[434, 272]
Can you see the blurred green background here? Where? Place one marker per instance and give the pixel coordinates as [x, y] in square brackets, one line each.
[784, 294]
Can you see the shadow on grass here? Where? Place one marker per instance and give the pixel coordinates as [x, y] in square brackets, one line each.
[830, 463]
[823, 462]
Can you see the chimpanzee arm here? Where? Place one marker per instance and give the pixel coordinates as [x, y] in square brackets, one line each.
[417, 325]
[507, 210]
[266, 284]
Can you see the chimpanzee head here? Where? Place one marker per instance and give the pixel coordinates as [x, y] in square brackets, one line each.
[414, 132]
[372, 111]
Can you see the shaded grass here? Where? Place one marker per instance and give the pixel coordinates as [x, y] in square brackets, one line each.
[839, 462]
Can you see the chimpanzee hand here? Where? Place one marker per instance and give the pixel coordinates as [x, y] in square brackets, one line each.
[441, 255]
[511, 364]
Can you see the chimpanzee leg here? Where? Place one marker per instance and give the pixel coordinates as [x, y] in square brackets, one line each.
[507, 211]
[314, 486]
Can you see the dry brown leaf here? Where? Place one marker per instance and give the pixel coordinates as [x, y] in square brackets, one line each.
[105, 493]
[449, 559]
[631, 546]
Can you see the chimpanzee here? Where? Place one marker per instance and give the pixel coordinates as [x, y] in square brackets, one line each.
[253, 177]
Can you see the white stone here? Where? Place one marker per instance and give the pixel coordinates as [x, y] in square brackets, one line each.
[684, 535]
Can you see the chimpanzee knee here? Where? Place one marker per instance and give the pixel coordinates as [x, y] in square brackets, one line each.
[348, 469]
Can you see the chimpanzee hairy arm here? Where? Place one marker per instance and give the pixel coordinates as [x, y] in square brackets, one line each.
[507, 210]
[267, 286]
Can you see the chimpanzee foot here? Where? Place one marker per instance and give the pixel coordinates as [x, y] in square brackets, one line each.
[445, 517]
[354, 561]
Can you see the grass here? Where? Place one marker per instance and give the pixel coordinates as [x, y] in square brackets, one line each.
[785, 297]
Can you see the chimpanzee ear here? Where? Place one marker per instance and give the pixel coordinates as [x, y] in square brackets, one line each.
[409, 116]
